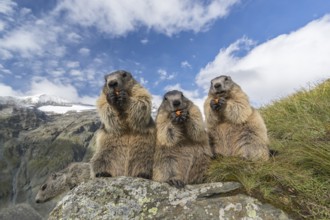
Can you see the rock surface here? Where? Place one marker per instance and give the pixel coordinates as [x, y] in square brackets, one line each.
[135, 198]
[33, 145]
[20, 212]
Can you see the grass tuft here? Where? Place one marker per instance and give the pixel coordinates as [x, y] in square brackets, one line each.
[297, 180]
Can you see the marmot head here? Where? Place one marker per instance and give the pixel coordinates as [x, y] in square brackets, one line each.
[118, 80]
[221, 86]
[174, 101]
[54, 185]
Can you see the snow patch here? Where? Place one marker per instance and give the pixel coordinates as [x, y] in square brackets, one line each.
[65, 109]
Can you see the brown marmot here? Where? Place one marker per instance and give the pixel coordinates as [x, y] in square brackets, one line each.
[63, 181]
[234, 127]
[125, 143]
[182, 150]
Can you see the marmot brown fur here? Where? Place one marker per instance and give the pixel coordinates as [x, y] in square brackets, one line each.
[182, 150]
[126, 142]
[234, 127]
[63, 181]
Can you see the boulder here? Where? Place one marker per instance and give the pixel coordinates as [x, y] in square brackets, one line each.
[136, 198]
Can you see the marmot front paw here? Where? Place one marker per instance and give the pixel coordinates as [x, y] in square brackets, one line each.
[217, 103]
[121, 98]
[179, 116]
[179, 184]
[112, 98]
[144, 176]
[103, 174]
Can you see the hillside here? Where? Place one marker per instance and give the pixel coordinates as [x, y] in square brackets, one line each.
[297, 179]
[34, 144]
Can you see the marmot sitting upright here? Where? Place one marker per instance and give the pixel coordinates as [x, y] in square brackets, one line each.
[234, 127]
[126, 142]
[63, 181]
[182, 150]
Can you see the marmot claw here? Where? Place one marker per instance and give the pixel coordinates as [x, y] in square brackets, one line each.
[103, 174]
[177, 183]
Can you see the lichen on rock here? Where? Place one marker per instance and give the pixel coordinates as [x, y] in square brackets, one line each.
[135, 198]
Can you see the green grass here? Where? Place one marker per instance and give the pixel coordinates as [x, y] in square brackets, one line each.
[298, 178]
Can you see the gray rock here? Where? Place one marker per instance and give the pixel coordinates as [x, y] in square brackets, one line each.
[19, 212]
[135, 198]
[33, 145]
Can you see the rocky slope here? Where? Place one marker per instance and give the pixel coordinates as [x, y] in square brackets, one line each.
[34, 144]
[135, 198]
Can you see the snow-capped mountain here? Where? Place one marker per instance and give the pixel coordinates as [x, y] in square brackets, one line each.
[46, 103]
[54, 104]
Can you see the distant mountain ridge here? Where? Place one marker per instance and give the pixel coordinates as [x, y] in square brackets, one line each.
[36, 100]
[53, 104]
[46, 103]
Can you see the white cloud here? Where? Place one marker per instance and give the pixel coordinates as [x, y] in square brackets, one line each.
[65, 91]
[5, 54]
[7, 91]
[2, 26]
[164, 75]
[118, 17]
[185, 64]
[277, 67]
[7, 6]
[4, 70]
[33, 38]
[57, 72]
[22, 41]
[143, 81]
[84, 51]
[72, 64]
[74, 37]
[157, 100]
[144, 41]
[76, 73]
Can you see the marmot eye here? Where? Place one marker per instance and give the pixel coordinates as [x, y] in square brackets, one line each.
[44, 187]
[124, 75]
[226, 78]
[165, 99]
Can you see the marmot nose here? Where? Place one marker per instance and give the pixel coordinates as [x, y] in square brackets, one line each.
[217, 85]
[113, 83]
[38, 201]
[176, 103]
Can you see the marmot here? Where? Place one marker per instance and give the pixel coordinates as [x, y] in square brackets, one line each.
[63, 181]
[234, 127]
[182, 151]
[125, 143]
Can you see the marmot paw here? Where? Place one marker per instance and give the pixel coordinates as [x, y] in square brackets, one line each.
[111, 98]
[103, 174]
[177, 183]
[216, 104]
[144, 176]
[184, 114]
[122, 97]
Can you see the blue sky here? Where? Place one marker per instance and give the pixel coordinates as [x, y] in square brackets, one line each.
[64, 47]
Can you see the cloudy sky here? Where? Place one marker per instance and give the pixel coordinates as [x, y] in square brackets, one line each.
[64, 47]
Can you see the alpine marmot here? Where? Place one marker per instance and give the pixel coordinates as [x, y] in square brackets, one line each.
[182, 150]
[125, 143]
[63, 181]
[234, 127]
